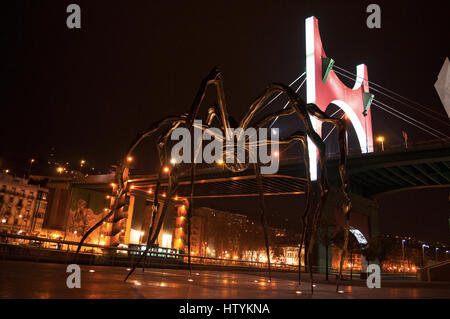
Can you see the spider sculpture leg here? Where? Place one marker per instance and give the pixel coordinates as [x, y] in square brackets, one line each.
[189, 216]
[262, 205]
[155, 229]
[342, 142]
[155, 208]
[301, 136]
[122, 172]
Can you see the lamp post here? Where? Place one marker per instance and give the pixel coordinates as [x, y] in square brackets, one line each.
[435, 253]
[29, 168]
[82, 162]
[403, 250]
[423, 252]
[381, 140]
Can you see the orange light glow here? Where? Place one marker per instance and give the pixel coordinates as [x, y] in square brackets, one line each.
[166, 169]
[380, 139]
[150, 191]
[129, 158]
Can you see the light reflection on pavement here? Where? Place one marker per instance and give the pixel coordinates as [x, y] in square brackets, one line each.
[20, 279]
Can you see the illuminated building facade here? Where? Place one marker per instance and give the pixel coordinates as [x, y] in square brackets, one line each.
[22, 206]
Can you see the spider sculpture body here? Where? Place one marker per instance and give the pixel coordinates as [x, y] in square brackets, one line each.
[163, 129]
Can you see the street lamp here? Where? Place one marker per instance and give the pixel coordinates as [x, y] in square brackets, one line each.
[423, 252]
[32, 160]
[436, 254]
[60, 170]
[403, 249]
[381, 140]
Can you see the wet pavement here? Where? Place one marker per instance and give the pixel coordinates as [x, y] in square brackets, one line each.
[19, 279]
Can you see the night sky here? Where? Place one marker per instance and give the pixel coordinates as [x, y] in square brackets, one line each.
[85, 93]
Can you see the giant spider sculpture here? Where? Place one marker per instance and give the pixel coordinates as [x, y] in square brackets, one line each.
[311, 216]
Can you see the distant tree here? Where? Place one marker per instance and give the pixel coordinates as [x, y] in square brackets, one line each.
[353, 246]
[325, 236]
[378, 248]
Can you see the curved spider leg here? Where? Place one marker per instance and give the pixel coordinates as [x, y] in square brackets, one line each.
[303, 113]
[302, 137]
[262, 215]
[122, 172]
[172, 184]
[155, 229]
[342, 141]
[189, 216]
[188, 120]
[213, 78]
[117, 204]
[162, 152]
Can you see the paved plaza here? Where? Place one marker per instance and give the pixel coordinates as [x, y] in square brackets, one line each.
[21, 279]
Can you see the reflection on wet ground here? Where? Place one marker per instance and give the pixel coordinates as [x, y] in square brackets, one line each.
[20, 279]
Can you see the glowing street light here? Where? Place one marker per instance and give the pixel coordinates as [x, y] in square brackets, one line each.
[403, 248]
[173, 161]
[166, 169]
[60, 170]
[381, 140]
[220, 162]
[436, 253]
[129, 159]
[32, 160]
[423, 252]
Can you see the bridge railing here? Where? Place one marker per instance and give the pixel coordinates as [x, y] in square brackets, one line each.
[355, 151]
[14, 246]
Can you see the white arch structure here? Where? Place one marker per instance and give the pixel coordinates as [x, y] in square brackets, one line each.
[324, 87]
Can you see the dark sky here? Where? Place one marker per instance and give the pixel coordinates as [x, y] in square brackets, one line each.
[87, 92]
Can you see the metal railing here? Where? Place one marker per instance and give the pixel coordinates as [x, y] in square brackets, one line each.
[36, 248]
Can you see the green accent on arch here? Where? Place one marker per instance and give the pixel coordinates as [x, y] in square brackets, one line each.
[327, 66]
[367, 100]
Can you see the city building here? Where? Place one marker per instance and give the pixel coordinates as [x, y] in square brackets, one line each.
[22, 206]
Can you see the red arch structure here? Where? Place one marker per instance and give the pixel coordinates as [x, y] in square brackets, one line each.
[324, 87]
